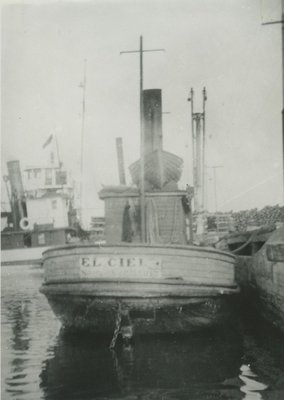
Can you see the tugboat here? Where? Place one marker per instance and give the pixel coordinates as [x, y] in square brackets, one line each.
[42, 213]
[149, 277]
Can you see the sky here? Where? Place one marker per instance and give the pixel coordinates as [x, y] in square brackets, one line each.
[219, 44]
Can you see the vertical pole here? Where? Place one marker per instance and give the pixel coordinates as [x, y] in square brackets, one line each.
[215, 188]
[190, 193]
[282, 21]
[7, 190]
[14, 217]
[142, 140]
[142, 166]
[282, 31]
[199, 189]
[203, 151]
[190, 224]
[57, 150]
[193, 142]
[198, 163]
[120, 160]
[82, 142]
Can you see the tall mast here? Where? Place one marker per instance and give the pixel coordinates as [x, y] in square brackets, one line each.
[282, 31]
[83, 86]
[191, 99]
[282, 23]
[120, 160]
[198, 150]
[204, 148]
[198, 153]
[57, 150]
[142, 155]
[142, 143]
[197, 117]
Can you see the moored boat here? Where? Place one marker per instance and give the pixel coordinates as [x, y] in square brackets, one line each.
[147, 278]
[260, 269]
[154, 289]
[41, 212]
[267, 278]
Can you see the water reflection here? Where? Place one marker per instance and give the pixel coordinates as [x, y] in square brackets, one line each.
[84, 368]
[264, 351]
[24, 332]
[251, 387]
[38, 362]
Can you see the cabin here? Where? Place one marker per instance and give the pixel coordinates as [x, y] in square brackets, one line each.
[50, 208]
[41, 205]
[165, 216]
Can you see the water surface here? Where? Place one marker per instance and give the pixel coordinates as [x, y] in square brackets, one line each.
[39, 361]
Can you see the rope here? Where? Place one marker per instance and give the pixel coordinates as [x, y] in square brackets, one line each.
[250, 239]
[153, 235]
[90, 303]
[174, 225]
[117, 328]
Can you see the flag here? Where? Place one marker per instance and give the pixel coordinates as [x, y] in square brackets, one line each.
[47, 141]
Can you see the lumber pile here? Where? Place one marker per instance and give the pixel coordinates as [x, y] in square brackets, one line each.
[268, 215]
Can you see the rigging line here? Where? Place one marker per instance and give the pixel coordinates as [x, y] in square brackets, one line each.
[248, 69]
[261, 10]
[251, 188]
[268, 99]
[272, 9]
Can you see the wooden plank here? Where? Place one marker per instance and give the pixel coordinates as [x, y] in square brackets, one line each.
[136, 290]
[275, 252]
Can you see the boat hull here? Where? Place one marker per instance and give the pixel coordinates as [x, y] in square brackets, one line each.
[267, 279]
[152, 288]
[146, 315]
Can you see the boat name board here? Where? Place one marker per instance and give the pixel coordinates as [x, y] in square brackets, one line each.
[142, 267]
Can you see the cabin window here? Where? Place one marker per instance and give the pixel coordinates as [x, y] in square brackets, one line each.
[41, 238]
[29, 174]
[48, 177]
[52, 157]
[36, 173]
[54, 204]
[61, 177]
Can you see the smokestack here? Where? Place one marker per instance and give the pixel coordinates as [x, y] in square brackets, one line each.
[17, 192]
[120, 160]
[152, 106]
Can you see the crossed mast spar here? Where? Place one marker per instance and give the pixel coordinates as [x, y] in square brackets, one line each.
[142, 160]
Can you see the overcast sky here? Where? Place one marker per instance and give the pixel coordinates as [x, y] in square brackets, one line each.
[220, 44]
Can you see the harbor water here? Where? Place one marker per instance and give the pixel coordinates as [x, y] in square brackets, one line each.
[39, 361]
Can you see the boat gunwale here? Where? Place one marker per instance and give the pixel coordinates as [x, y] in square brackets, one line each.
[209, 289]
[231, 262]
[171, 281]
[137, 245]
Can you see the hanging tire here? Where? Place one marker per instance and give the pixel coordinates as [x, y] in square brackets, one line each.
[25, 224]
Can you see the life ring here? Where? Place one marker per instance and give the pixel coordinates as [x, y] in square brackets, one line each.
[25, 224]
